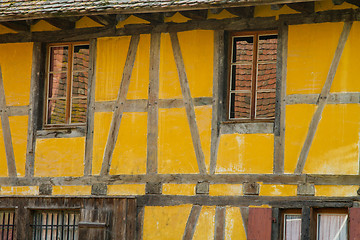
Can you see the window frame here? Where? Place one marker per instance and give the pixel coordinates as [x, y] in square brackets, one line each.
[230, 51]
[332, 211]
[68, 102]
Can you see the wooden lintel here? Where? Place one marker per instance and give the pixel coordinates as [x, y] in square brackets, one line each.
[354, 2]
[104, 19]
[61, 23]
[195, 14]
[17, 26]
[153, 18]
[305, 7]
[242, 12]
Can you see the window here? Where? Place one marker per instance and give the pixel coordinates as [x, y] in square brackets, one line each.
[66, 85]
[60, 225]
[332, 226]
[292, 227]
[7, 225]
[252, 76]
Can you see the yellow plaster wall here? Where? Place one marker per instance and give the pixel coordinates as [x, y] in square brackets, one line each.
[265, 11]
[177, 18]
[71, 190]
[245, 153]
[3, 163]
[325, 5]
[18, 126]
[165, 222]
[278, 190]
[335, 191]
[178, 189]
[15, 62]
[222, 15]
[225, 189]
[86, 22]
[20, 190]
[4, 30]
[206, 224]
[59, 157]
[43, 26]
[234, 226]
[131, 20]
[126, 189]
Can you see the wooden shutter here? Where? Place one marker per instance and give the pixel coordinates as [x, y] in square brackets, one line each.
[259, 224]
[354, 223]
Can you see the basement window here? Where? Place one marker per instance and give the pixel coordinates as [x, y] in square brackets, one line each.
[252, 83]
[66, 85]
[60, 225]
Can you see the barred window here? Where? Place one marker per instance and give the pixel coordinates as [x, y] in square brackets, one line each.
[252, 76]
[57, 225]
[7, 225]
[67, 84]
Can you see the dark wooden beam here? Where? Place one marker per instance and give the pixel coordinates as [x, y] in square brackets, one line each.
[306, 7]
[242, 12]
[338, 2]
[61, 23]
[169, 14]
[196, 14]
[216, 10]
[354, 2]
[276, 6]
[154, 18]
[17, 26]
[106, 20]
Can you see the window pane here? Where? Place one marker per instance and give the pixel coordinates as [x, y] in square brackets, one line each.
[243, 48]
[78, 110]
[58, 59]
[80, 82]
[240, 105]
[7, 225]
[241, 77]
[292, 227]
[57, 84]
[332, 227]
[266, 78]
[265, 105]
[56, 111]
[267, 48]
[81, 57]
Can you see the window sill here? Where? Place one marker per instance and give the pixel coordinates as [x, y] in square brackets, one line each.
[62, 133]
[246, 128]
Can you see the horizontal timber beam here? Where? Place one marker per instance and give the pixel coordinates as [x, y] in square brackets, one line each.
[287, 179]
[334, 98]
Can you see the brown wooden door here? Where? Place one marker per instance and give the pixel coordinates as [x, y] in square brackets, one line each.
[259, 224]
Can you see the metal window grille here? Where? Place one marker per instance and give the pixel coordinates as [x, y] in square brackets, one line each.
[55, 225]
[7, 225]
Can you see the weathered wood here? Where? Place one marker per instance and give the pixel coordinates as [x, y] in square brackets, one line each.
[153, 109]
[61, 133]
[276, 224]
[189, 105]
[18, 110]
[61, 23]
[305, 7]
[140, 105]
[33, 110]
[354, 2]
[9, 151]
[17, 26]
[323, 98]
[153, 18]
[244, 211]
[242, 12]
[104, 19]
[140, 222]
[119, 106]
[89, 138]
[280, 106]
[191, 222]
[259, 224]
[333, 98]
[219, 61]
[195, 14]
[246, 128]
[306, 223]
[354, 223]
[220, 218]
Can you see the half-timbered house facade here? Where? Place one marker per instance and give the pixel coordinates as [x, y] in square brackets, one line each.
[188, 119]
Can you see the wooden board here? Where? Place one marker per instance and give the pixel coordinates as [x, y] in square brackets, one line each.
[354, 223]
[259, 224]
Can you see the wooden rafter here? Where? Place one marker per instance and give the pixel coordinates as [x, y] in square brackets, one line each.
[61, 23]
[305, 7]
[189, 104]
[324, 95]
[195, 14]
[9, 151]
[119, 106]
[17, 26]
[152, 107]
[191, 222]
[106, 20]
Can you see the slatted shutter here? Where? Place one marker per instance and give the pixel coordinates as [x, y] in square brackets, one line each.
[259, 224]
[354, 223]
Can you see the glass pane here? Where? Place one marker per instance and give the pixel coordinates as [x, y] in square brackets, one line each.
[80, 82]
[241, 77]
[57, 85]
[332, 226]
[292, 227]
[56, 111]
[58, 59]
[243, 48]
[78, 110]
[267, 48]
[265, 105]
[81, 57]
[240, 105]
[266, 78]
